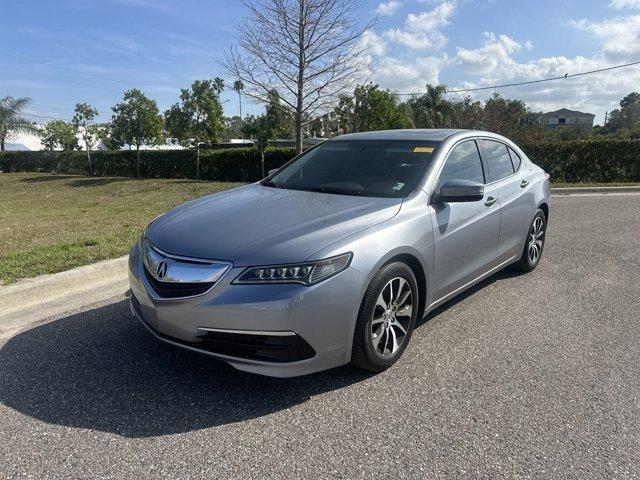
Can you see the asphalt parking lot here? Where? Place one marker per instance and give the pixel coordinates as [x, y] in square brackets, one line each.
[525, 376]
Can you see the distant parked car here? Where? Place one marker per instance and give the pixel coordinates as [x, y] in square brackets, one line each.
[332, 258]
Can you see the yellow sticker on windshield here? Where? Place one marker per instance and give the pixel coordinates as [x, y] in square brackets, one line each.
[423, 150]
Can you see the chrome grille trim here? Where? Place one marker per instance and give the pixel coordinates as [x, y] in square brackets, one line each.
[179, 272]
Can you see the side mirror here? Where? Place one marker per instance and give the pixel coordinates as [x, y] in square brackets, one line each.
[272, 171]
[460, 191]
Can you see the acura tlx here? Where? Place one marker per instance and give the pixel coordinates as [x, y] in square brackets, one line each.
[333, 257]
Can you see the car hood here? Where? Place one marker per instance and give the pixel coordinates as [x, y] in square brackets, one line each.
[258, 225]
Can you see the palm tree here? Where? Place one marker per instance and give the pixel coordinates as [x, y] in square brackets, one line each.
[218, 85]
[238, 86]
[438, 107]
[431, 110]
[11, 119]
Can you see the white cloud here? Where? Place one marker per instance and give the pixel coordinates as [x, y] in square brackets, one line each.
[495, 60]
[620, 36]
[373, 44]
[388, 8]
[407, 75]
[620, 4]
[495, 63]
[495, 52]
[422, 30]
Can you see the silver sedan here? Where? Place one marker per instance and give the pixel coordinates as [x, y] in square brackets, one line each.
[332, 258]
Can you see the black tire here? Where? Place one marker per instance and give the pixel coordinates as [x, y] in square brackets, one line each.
[367, 355]
[527, 263]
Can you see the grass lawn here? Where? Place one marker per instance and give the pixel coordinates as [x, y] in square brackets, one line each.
[50, 223]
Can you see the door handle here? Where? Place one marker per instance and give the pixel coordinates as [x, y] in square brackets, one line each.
[490, 201]
[523, 184]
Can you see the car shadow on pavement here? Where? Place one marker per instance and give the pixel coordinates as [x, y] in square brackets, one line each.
[101, 370]
[504, 274]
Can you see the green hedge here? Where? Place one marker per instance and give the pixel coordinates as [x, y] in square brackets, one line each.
[233, 165]
[594, 160]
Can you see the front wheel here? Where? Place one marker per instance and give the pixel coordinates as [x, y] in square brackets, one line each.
[386, 318]
[534, 244]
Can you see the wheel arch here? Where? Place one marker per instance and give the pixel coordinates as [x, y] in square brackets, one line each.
[544, 206]
[418, 271]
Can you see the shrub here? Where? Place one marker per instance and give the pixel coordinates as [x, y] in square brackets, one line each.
[592, 160]
[234, 164]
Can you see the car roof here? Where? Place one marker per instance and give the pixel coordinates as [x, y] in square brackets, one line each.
[427, 134]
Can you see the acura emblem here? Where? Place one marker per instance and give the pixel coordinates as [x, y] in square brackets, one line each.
[161, 271]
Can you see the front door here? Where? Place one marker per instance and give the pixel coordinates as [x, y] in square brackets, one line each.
[465, 233]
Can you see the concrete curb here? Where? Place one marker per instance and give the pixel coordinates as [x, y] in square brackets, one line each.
[582, 190]
[37, 298]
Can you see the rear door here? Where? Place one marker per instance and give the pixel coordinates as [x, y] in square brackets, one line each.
[512, 184]
[465, 233]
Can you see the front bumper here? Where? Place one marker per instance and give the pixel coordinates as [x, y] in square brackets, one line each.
[278, 330]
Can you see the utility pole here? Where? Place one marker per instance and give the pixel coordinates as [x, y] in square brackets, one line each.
[606, 114]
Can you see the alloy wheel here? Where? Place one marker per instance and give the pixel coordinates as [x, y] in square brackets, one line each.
[392, 316]
[536, 239]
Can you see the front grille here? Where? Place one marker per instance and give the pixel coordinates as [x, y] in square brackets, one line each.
[176, 290]
[276, 348]
[266, 348]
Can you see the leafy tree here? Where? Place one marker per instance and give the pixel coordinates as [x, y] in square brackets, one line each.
[465, 113]
[60, 134]
[274, 123]
[104, 134]
[198, 118]
[569, 132]
[233, 128]
[84, 114]
[511, 118]
[430, 110]
[370, 109]
[11, 119]
[136, 121]
[627, 116]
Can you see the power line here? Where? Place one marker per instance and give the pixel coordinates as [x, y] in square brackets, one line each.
[50, 117]
[476, 89]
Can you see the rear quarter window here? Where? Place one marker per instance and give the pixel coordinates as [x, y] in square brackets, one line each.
[515, 159]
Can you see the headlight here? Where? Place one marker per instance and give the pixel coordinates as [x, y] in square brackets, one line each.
[308, 273]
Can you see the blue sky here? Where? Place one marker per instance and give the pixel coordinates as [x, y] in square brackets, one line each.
[67, 51]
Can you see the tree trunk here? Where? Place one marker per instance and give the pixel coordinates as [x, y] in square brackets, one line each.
[2, 145]
[198, 161]
[262, 162]
[138, 159]
[298, 123]
[240, 102]
[88, 157]
[300, 79]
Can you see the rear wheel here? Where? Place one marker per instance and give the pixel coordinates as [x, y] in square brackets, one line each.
[534, 243]
[386, 319]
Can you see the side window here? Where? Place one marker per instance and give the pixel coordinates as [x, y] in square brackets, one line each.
[497, 159]
[463, 163]
[515, 159]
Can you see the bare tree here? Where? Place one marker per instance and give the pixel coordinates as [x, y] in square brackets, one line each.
[307, 50]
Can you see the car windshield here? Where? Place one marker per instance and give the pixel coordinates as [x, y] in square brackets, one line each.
[372, 168]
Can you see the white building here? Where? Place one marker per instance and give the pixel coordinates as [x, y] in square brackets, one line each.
[565, 117]
[33, 142]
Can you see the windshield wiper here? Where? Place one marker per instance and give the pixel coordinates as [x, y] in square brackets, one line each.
[269, 183]
[337, 191]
